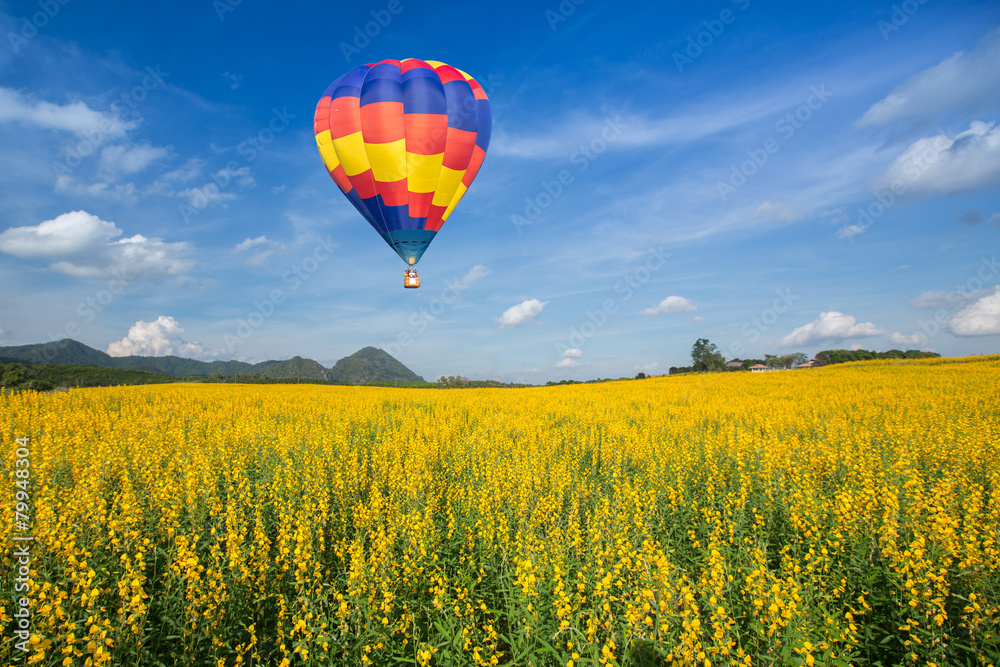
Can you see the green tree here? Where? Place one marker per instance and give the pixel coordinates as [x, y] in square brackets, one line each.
[13, 375]
[705, 357]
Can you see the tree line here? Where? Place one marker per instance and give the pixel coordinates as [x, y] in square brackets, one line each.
[706, 358]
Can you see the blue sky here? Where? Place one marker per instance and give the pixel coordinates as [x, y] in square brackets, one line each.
[776, 178]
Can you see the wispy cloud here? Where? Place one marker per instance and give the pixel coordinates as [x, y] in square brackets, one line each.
[964, 82]
[268, 248]
[76, 117]
[121, 159]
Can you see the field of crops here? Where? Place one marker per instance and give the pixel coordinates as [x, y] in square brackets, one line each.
[833, 516]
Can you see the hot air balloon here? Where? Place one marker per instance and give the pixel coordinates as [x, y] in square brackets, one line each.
[403, 140]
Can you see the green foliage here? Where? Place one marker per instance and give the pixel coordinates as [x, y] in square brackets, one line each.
[705, 357]
[45, 377]
[371, 365]
[366, 366]
[784, 361]
[13, 376]
[843, 356]
[453, 382]
[296, 367]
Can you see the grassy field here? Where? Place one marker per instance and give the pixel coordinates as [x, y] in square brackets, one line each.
[833, 516]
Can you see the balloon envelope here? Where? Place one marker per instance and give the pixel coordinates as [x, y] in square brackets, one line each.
[403, 140]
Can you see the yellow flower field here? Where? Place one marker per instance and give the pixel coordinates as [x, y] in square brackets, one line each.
[833, 516]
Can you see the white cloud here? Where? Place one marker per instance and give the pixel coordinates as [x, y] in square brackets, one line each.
[672, 304]
[897, 338]
[120, 159]
[259, 257]
[932, 299]
[67, 235]
[243, 176]
[81, 244]
[981, 318]
[233, 79]
[159, 338]
[125, 193]
[474, 274]
[857, 346]
[850, 231]
[781, 212]
[634, 130]
[647, 368]
[698, 319]
[524, 312]
[209, 193]
[246, 244]
[965, 163]
[75, 117]
[186, 173]
[217, 190]
[964, 82]
[945, 299]
[830, 326]
[570, 358]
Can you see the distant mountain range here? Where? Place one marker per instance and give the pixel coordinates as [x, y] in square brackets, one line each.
[366, 366]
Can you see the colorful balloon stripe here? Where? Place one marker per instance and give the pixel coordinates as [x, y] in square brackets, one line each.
[403, 140]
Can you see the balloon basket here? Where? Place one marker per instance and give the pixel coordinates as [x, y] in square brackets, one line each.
[410, 279]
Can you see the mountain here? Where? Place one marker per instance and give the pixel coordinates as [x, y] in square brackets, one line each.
[296, 367]
[65, 351]
[180, 367]
[369, 365]
[363, 367]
